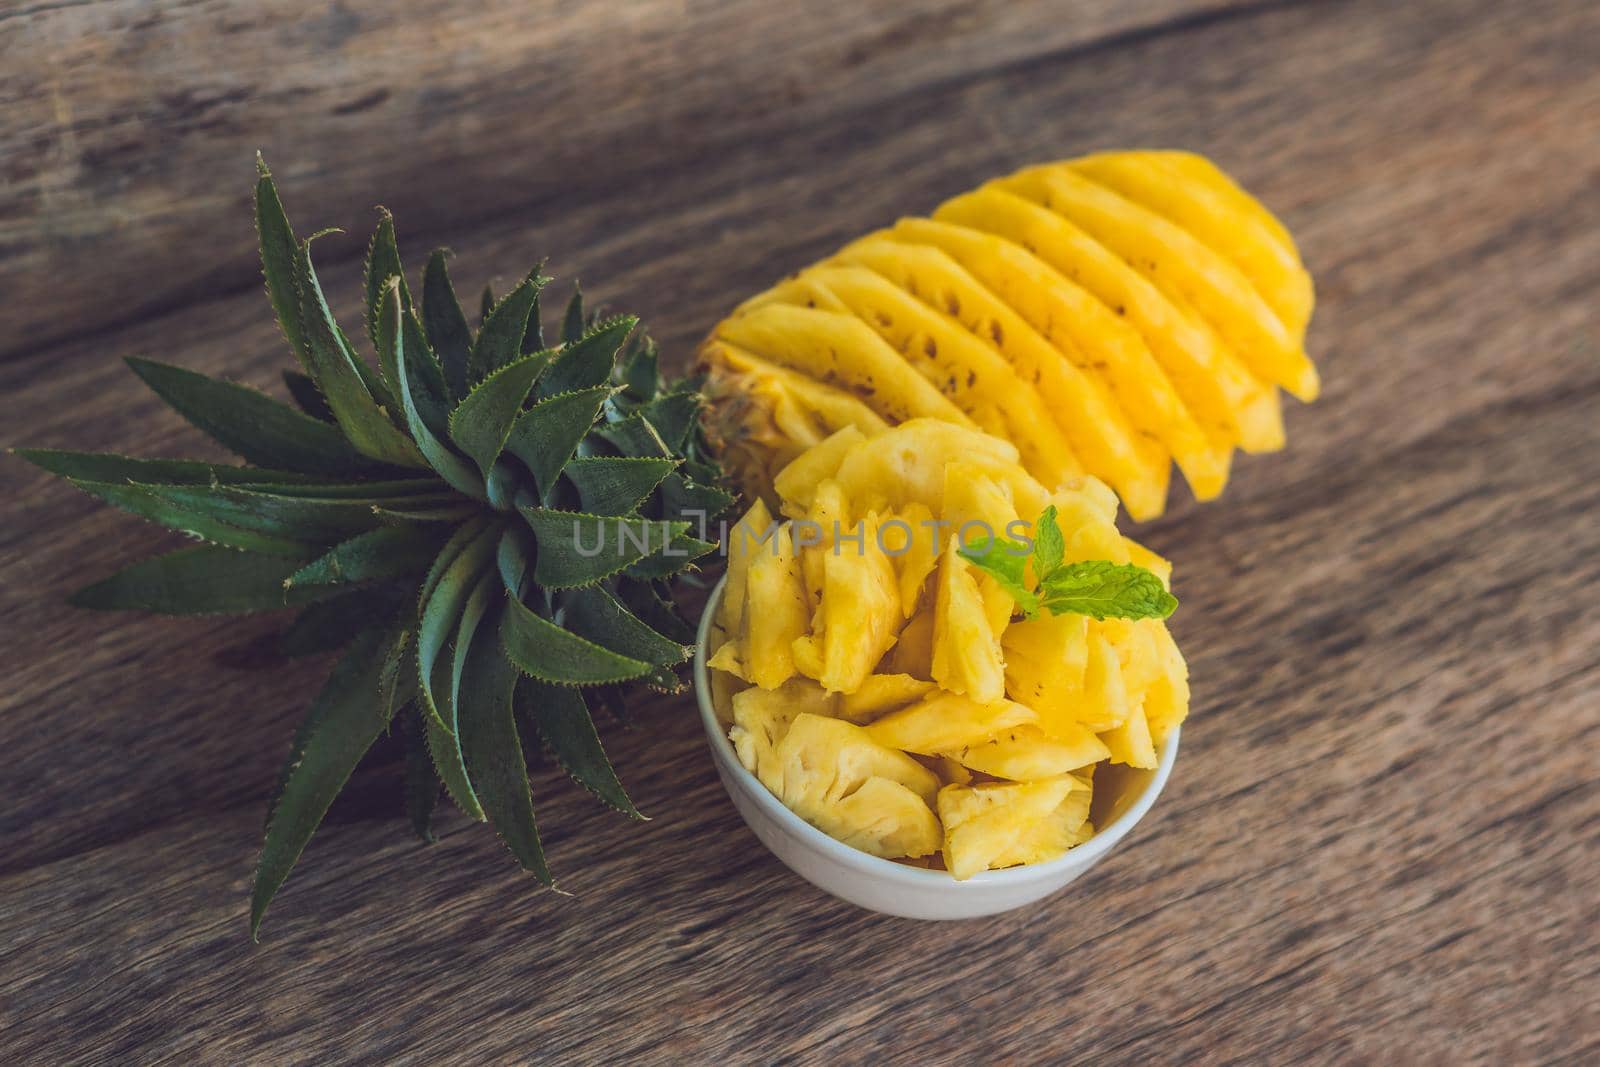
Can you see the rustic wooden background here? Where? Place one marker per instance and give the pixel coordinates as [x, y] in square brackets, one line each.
[1383, 838]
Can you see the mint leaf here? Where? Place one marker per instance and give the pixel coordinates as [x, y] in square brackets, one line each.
[1048, 544]
[1105, 590]
[1006, 562]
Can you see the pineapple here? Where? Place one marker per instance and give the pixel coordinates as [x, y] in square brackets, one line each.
[913, 651]
[847, 785]
[922, 546]
[860, 609]
[1064, 828]
[987, 824]
[1108, 315]
[880, 694]
[966, 652]
[435, 516]
[761, 718]
[1028, 752]
[943, 723]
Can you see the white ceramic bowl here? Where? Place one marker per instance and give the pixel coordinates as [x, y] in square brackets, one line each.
[1122, 796]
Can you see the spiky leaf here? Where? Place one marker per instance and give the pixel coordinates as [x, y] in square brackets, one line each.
[387, 552]
[616, 485]
[587, 361]
[199, 580]
[348, 720]
[360, 414]
[251, 423]
[493, 751]
[598, 616]
[545, 437]
[383, 263]
[482, 421]
[148, 503]
[499, 342]
[545, 651]
[411, 384]
[563, 721]
[577, 549]
[445, 325]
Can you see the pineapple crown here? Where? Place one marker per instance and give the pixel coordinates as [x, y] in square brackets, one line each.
[486, 522]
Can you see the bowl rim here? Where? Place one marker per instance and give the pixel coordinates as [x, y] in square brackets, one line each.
[1076, 860]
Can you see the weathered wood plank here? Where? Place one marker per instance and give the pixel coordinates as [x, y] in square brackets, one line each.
[128, 126]
[1380, 833]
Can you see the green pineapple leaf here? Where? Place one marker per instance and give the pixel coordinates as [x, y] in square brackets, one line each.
[493, 752]
[445, 325]
[478, 527]
[383, 263]
[587, 361]
[483, 420]
[572, 322]
[250, 423]
[545, 437]
[577, 549]
[562, 719]
[199, 580]
[504, 326]
[421, 784]
[385, 553]
[616, 485]
[543, 650]
[344, 380]
[104, 467]
[404, 358]
[347, 722]
[595, 614]
[145, 502]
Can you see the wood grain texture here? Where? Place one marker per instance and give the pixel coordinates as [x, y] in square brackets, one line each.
[1382, 837]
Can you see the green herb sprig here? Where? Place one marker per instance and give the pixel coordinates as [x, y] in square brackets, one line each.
[1098, 588]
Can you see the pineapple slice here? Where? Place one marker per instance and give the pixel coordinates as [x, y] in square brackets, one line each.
[984, 823]
[860, 608]
[829, 513]
[797, 483]
[913, 653]
[946, 722]
[1166, 703]
[1045, 661]
[1130, 742]
[777, 611]
[921, 554]
[1026, 753]
[744, 540]
[1048, 839]
[852, 788]
[906, 465]
[880, 694]
[761, 719]
[966, 652]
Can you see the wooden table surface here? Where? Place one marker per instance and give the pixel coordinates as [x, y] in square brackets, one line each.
[1382, 840]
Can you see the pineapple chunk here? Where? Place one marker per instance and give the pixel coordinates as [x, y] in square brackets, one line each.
[1166, 703]
[882, 693]
[860, 609]
[946, 722]
[777, 611]
[983, 823]
[913, 654]
[852, 788]
[797, 483]
[761, 719]
[921, 555]
[1131, 742]
[744, 540]
[966, 653]
[1050, 838]
[906, 465]
[952, 773]
[1045, 662]
[1026, 753]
